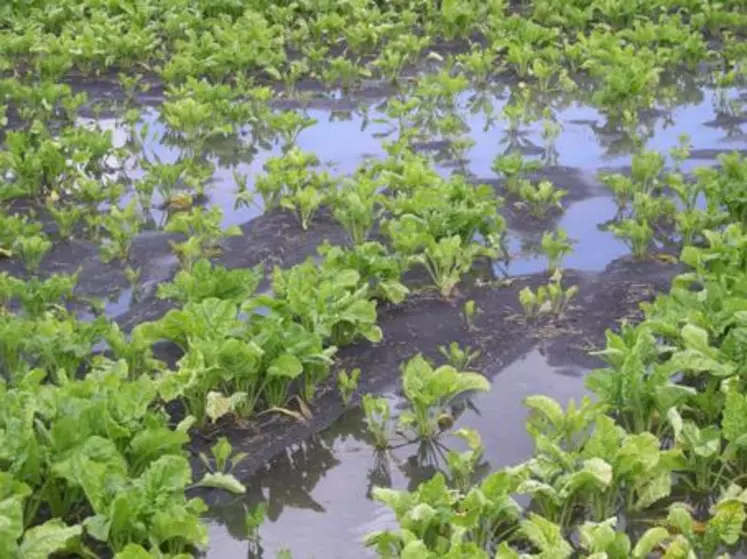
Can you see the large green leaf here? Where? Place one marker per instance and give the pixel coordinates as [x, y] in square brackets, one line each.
[600, 469]
[42, 541]
[178, 523]
[602, 538]
[470, 382]
[697, 338]
[547, 536]
[734, 422]
[648, 541]
[94, 449]
[728, 521]
[653, 489]
[153, 442]
[415, 550]
[360, 311]
[285, 366]
[133, 551]
[703, 442]
[11, 519]
[168, 475]
[547, 407]
[639, 453]
[398, 501]
[239, 359]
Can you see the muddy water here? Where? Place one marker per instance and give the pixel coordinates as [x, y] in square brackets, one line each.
[317, 493]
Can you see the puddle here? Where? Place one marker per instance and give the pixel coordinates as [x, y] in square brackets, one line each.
[593, 249]
[120, 304]
[316, 493]
[112, 306]
[343, 139]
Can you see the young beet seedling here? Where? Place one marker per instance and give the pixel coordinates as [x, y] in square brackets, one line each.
[556, 246]
[378, 419]
[541, 199]
[635, 233]
[448, 260]
[470, 311]
[355, 207]
[550, 299]
[121, 226]
[66, 216]
[429, 392]
[32, 251]
[462, 464]
[347, 384]
[221, 466]
[458, 357]
[253, 520]
[514, 169]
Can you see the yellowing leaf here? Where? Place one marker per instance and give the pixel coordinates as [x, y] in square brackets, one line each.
[218, 405]
[226, 482]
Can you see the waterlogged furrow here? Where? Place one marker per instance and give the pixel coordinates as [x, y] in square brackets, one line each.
[97, 419]
[662, 439]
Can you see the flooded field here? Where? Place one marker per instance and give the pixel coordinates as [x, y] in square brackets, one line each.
[373, 279]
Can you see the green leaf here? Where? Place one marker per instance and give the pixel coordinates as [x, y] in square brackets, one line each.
[153, 442]
[415, 550]
[728, 521]
[97, 527]
[11, 519]
[547, 407]
[373, 334]
[285, 366]
[696, 338]
[600, 469]
[547, 536]
[703, 442]
[180, 522]
[226, 482]
[347, 278]
[648, 541]
[394, 291]
[597, 537]
[653, 489]
[360, 311]
[675, 420]
[398, 501]
[734, 422]
[505, 552]
[133, 551]
[680, 518]
[167, 474]
[471, 382]
[639, 453]
[42, 541]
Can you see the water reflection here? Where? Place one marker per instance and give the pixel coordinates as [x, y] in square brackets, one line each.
[586, 139]
[318, 493]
